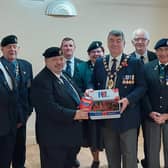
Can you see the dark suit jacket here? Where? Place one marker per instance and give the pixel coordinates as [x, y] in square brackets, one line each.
[157, 94]
[85, 73]
[151, 55]
[23, 91]
[55, 110]
[130, 118]
[8, 112]
[75, 77]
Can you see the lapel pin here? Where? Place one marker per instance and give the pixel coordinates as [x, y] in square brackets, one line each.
[156, 67]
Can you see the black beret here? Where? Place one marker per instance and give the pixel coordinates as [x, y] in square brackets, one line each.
[52, 52]
[161, 43]
[94, 45]
[11, 39]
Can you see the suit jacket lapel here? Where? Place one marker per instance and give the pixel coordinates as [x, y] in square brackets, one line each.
[22, 73]
[121, 71]
[155, 72]
[58, 82]
[9, 71]
[3, 81]
[104, 75]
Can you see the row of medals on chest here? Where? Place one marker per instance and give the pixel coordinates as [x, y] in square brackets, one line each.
[129, 79]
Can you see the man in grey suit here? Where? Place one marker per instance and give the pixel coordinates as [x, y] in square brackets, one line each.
[156, 105]
[58, 120]
[140, 40]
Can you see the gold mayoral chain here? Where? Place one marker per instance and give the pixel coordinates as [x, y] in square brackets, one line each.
[111, 82]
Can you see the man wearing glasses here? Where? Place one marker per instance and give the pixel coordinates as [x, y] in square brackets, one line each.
[140, 40]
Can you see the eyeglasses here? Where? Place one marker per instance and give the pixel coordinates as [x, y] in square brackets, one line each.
[140, 39]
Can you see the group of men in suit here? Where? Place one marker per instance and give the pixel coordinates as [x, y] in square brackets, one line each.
[143, 90]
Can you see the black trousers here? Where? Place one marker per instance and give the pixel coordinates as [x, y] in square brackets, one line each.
[7, 143]
[19, 155]
[57, 156]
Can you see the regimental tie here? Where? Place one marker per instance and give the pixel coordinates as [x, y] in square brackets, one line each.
[142, 58]
[68, 68]
[71, 90]
[162, 73]
[15, 70]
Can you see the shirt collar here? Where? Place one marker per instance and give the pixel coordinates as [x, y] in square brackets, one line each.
[118, 58]
[139, 56]
[71, 60]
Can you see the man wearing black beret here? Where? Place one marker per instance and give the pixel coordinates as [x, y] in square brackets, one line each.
[58, 119]
[15, 80]
[156, 105]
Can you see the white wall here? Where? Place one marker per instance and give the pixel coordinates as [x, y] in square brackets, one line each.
[95, 19]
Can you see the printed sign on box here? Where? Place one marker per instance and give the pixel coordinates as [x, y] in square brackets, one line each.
[103, 104]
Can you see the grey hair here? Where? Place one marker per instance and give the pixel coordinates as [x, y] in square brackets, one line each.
[116, 33]
[140, 30]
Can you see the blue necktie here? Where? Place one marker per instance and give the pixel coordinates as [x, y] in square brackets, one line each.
[162, 73]
[71, 90]
[68, 67]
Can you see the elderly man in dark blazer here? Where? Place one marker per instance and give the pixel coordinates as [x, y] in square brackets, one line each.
[58, 120]
[17, 76]
[156, 105]
[117, 70]
[140, 40]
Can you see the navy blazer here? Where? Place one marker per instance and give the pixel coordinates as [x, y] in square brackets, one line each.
[26, 76]
[55, 109]
[157, 95]
[8, 107]
[24, 107]
[151, 55]
[130, 118]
